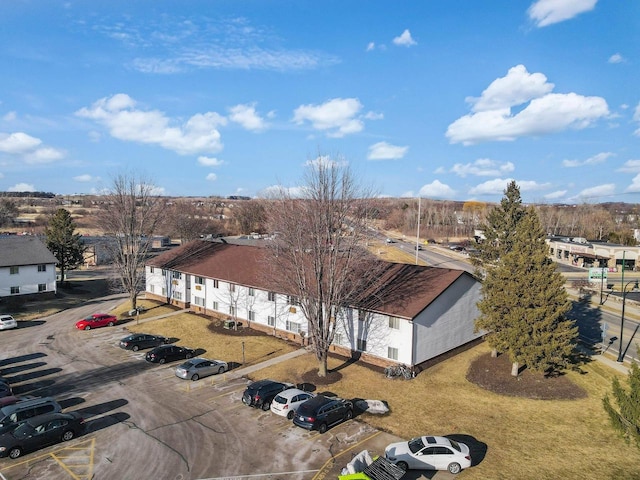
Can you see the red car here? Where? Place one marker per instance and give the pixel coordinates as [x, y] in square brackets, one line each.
[96, 320]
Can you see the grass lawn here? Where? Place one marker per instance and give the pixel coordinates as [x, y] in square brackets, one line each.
[523, 439]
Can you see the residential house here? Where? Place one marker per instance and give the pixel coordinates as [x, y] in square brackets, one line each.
[27, 267]
[413, 315]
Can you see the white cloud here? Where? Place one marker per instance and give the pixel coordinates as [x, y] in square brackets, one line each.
[636, 113]
[1, 175]
[493, 119]
[209, 161]
[22, 187]
[548, 12]
[338, 116]
[29, 148]
[405, 40]
[597, 191]
[246, 116]
[85, 178]
[635, 185]
[483, 167]
[436, 189]
[9, 116]
[386, 151]
[278, 191]
[199, 134]
[630, 166]
[325, 161]
[555, 195]
[212, 177]
[596, 159]
[491, 187]
[616, 58]
[371, 46]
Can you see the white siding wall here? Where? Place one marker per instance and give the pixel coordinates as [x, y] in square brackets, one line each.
[449, 321]
[28, 278]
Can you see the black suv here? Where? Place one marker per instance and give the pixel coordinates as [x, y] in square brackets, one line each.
[168, 353]
[260, 394]
[137, 341]
[322, 412]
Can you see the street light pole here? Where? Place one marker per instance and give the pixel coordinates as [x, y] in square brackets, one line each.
[624, 297]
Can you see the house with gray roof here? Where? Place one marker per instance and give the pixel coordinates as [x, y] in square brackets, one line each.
[27, 267]
[412, 315]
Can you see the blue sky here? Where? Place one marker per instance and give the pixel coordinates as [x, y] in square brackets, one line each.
[446, 99]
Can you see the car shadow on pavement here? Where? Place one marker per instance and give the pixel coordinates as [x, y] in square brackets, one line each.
[20, 368]
[30, 323]
[22, 358]
[99, 409]
[101, 423]
[71, 402]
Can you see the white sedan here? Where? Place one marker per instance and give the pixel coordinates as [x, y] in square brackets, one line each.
[430, 453]
[7, 322]
[287, 402]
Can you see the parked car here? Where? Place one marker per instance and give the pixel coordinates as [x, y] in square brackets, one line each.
[418, 247]
[5, 390]
[139, 341]
[390, 240]
[320, 413]
[41, 431]
[197, 368]
[286, 403]
[430, 453]
[260, 394]
[168, 353]
[7, 322]
[96, 320]
[25, 408]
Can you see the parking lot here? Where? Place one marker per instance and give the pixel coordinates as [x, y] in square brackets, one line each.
[143, 422]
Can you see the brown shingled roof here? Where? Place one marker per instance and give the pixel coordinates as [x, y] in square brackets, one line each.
[401, 290]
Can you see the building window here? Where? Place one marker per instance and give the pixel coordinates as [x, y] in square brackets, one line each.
[152, 288]
[292, 300]
[232, 310]
[271, 296]
[337, 339]
[15, 290]
[232, 287]
[42, 268]
[164, 292]
[151, 269]
[177, 295]
[252, 292]
[252, 315]
[293, 327]
[394, 322]
[199, 281]
[177, 275]
[271, 321]
[362, 345]
[14, 270]
[198, 301]
[392, 353]
[164, 273]
[42, 287]
[215, 284]
[361, 315]
[215, 305]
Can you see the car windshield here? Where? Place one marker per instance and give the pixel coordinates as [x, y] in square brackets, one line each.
[187, 365]
[416, 445]
[455, 445]
[24, 430]
[90, 317]
[280, 399]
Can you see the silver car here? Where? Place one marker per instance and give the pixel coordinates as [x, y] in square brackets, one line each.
[7, 322]
[197, 368]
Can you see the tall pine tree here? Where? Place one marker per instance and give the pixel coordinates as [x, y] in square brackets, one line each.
[626, 417]
[64, 243]
[524, 302]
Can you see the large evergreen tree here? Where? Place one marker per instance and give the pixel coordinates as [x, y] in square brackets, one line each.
[626, 418]
[524, 302]
[63, 242]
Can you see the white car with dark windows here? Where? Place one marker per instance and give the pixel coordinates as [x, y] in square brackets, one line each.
[286, 403]
[430, 453]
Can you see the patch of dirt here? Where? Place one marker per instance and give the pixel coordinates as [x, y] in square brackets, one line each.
[312, 377]
[217, 327]
[494, 374]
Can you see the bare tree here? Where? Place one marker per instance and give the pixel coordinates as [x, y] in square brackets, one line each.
[317, 253]
[130, 214]
[250, 216]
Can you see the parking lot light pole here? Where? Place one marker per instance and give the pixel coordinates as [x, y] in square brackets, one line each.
[624, 297]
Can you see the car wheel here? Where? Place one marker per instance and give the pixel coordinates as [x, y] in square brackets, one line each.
[68, 435]
[189, 355]
[87, 327]
[220, 370]
[348, 415]
[111, 324]
[454, 468]
[135, 348]
[15, 452]
[322, 428]
[290, 415]
[161, 361]
[403, 466]
[195, 377]
[266, 406]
